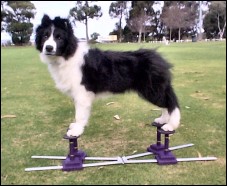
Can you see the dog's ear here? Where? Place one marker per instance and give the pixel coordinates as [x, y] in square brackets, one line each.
[62, 23]
[46, 20]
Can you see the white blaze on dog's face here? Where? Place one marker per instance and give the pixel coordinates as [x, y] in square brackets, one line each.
[53, 44]
[49, 49]
[50, 45]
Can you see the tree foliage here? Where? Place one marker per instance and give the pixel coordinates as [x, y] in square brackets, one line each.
[179, 15]
[139, 16]
[117, 10]
[3, 15]
[95, 36]
[83, 11]
[215, 20]
[17, 19]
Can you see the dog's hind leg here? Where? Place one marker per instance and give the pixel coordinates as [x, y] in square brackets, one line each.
[164, 118]
[167, 100]
[171, 114]
[174, 120]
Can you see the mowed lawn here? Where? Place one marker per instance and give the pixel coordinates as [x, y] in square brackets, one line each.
[43, 114]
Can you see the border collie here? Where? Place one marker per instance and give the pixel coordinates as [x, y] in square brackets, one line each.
[85, 73]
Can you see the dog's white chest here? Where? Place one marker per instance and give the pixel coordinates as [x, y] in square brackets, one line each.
[67, 73]
[67, 77]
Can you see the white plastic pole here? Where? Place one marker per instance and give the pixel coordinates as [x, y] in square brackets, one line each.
[86, 158]
[43, 168]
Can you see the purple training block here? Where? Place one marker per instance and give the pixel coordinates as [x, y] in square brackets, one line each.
[163, 155]
[158, 147]
[75, 158]
[166, 157]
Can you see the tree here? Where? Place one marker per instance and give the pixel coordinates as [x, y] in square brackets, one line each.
[129, 36]
[180, 15]
[157, 27]
[117, 10]
[168, 18]
[139, 16]
[215, 21]
[18, 22]
[94, 36]
[84, 11]
[137, 24]
[3, 15]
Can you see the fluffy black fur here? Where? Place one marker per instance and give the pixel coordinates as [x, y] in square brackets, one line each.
[143, 71]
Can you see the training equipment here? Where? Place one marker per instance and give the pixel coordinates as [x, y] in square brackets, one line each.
[76, 158]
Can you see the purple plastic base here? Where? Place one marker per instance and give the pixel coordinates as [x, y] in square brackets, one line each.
[166, 158]
[155, 148]
[74, 162]
[75, 158]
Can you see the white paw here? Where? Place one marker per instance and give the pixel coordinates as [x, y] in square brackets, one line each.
[72, 125]
[167, 127]
[160, 120]
[75, 129]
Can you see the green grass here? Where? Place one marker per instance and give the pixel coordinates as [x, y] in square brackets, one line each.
[43, 115]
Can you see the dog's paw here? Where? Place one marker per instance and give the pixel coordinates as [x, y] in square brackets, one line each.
[167, 127]
[72, 125]
[75, 129]
[160, 120]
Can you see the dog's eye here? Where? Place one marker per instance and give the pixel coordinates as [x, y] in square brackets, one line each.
[59, 37]
[45, 36]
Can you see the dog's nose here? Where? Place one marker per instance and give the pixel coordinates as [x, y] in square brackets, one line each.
[49, 48]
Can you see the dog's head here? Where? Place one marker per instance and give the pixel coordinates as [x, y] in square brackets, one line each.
[55, 37]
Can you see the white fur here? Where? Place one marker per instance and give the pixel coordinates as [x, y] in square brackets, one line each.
[172, 121]
[50, 41]
[67, 76]
[164, 117]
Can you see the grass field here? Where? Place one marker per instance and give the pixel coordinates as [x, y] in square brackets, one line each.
[43, 115]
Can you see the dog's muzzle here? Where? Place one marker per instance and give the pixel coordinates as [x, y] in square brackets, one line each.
[49, 50]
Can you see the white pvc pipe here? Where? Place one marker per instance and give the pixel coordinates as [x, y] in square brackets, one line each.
[50, 157]
[102, 158]
[102, 163]
[122, 160]
[43, 168]
[140, 161]
[178, 160]
[181, 146]
[197, 159]
[113, 158]
[149, 153]
[138, 155]
[86, 158]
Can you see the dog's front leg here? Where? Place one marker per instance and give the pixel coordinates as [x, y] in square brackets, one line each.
[83, 106]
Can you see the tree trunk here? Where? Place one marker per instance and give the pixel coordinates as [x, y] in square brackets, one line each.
[170, 34]
[139, 38]
[221, 32]
[179, 34]
[120, 31]
[86, 24]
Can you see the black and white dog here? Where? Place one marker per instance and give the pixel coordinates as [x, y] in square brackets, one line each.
[85, 73]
